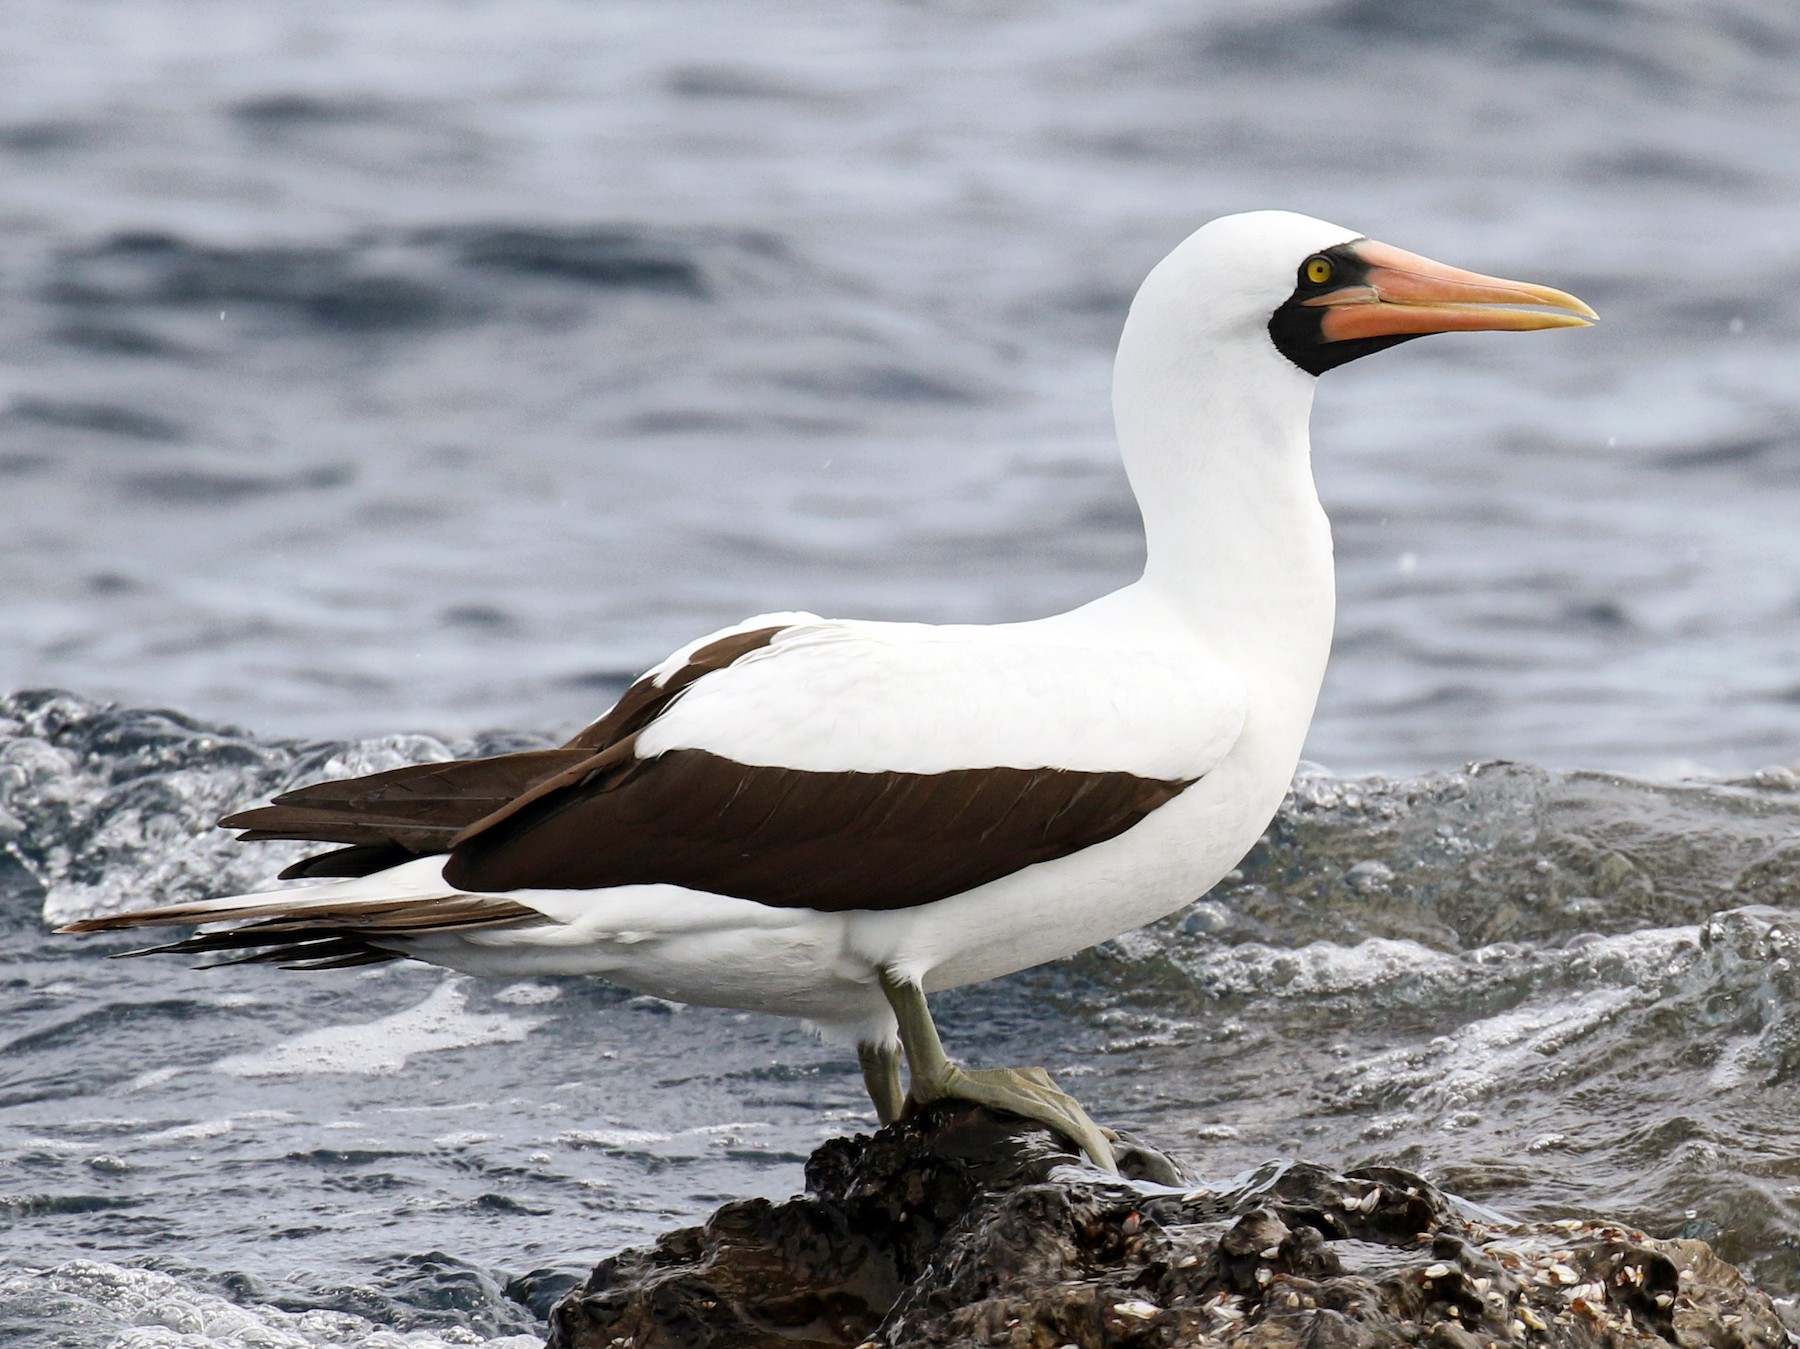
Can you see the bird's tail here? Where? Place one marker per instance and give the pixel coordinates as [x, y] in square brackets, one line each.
[362, 921]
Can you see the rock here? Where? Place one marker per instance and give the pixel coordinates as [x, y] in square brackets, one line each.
[960, 1227]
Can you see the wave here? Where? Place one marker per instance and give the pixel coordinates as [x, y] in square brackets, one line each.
[1533, 984]
[1680, 45]
[93, 1303]
[105, 808]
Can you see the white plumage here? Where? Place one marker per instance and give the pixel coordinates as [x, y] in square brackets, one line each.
[836, 697]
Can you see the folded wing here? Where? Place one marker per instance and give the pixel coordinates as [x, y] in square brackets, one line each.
[869, 766]
[804, 763]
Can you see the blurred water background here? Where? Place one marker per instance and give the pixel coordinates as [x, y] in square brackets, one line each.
[433, 367]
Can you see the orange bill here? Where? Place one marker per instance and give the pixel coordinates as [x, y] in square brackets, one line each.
[1403, 294]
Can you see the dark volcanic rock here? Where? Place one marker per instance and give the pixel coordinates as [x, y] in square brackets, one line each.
[962, 1228]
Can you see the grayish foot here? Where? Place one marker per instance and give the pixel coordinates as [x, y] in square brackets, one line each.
[881, 1075]
[1028, 1092]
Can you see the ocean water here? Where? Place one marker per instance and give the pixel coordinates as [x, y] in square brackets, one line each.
[1554, 992]
[377, 376]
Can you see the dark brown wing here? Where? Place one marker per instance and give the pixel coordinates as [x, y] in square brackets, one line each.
[389, 818]
[393, 817]
[591, 815]
[791, 838]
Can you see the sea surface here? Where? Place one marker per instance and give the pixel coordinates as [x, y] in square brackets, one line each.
[382, 383]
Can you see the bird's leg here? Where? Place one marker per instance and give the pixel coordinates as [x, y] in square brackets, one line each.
[1030, 1092]
[881, 1075]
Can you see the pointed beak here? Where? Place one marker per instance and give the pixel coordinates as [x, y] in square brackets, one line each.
[1403, 294]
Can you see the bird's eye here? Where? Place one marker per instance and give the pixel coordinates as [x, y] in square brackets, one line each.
[1319, 270]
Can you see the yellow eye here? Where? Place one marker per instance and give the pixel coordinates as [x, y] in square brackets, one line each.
[1319, 270]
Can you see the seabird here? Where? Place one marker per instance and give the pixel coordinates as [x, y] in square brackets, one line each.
[829, 819]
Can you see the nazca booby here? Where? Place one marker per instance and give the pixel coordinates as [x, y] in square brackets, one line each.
[829, 818]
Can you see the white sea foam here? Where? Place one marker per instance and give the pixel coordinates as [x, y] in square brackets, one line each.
[1521, 1043]
[188, 1133]
[154, 1078]
[527, 995]
[624, 1139]
[440, 1022]
[1319, 969]
[213, 1128]
[146, 1309]
[466, 1138]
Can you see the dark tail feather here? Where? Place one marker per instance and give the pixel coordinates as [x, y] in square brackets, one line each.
[324, 937]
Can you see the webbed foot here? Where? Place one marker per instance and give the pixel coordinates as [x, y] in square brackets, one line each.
[1028, 1092]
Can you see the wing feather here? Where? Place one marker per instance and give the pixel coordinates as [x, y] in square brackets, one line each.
[393, 817]
[809, 764]
[790, 838]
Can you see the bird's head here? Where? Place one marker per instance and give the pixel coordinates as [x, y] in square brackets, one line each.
[1324, 295]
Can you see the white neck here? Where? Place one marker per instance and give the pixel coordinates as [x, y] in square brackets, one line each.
[1213, 429]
